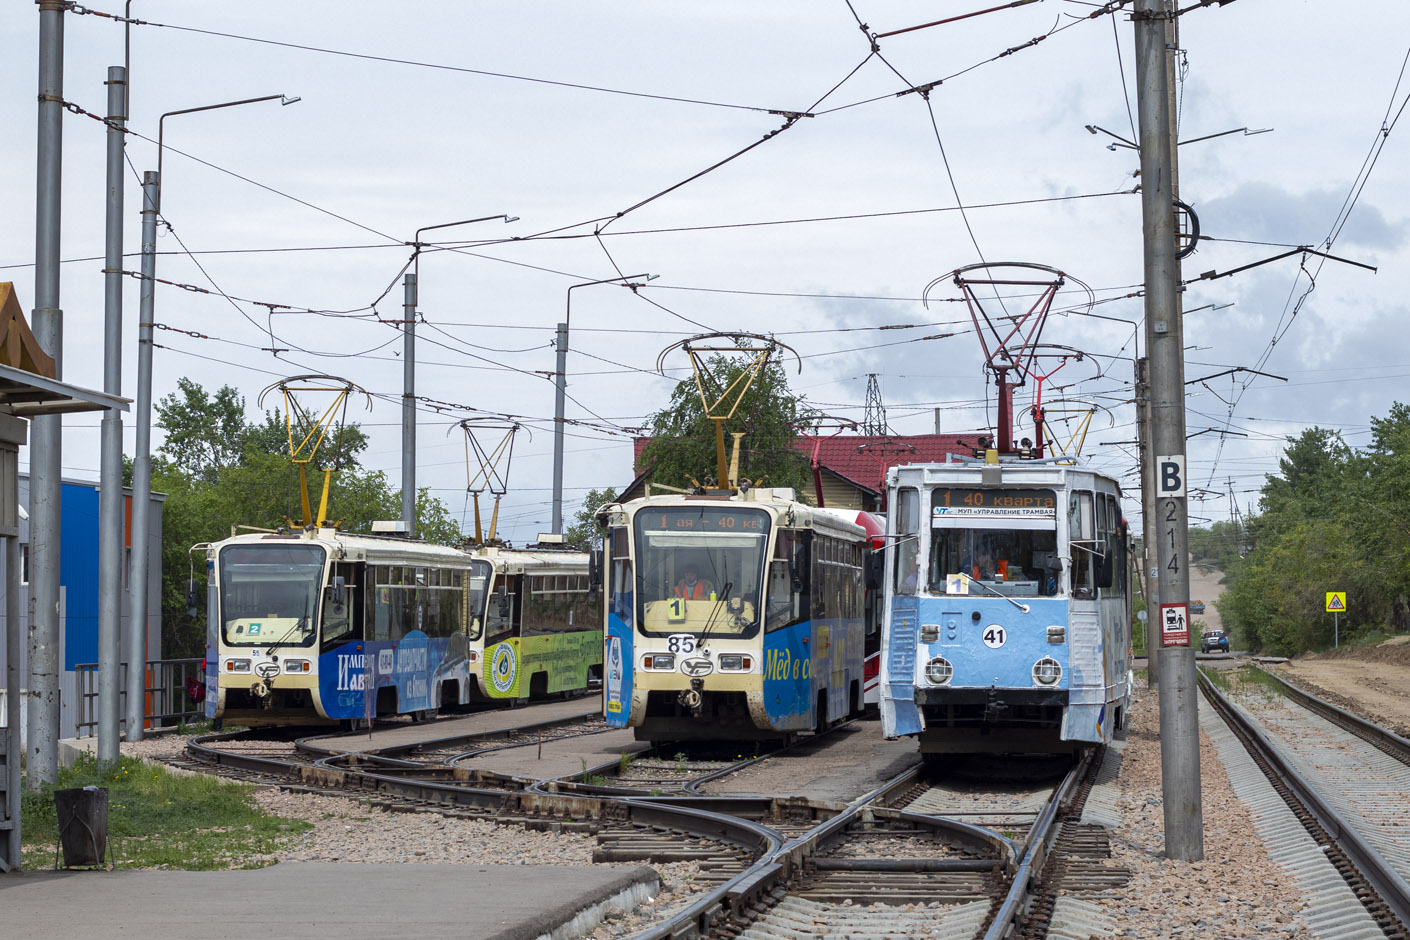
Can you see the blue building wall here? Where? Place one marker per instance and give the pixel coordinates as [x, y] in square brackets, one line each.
[78, 571]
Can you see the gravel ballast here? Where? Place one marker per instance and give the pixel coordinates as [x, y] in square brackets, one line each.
[1235, 892]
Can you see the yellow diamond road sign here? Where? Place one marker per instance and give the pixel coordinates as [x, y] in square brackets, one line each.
[1336, 601]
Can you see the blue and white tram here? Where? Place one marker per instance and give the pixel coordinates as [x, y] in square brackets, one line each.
[304, 625]
[732, 618]
[1007, 625]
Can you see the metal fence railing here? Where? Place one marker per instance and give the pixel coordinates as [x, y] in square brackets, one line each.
[169, 699]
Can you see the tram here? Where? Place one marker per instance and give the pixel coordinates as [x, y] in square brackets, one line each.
[1007, 606]
[732, 616]
[317, 625]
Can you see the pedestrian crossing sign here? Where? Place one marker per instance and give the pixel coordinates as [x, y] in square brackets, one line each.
[1336, 602]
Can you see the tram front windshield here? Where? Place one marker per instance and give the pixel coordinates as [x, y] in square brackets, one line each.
[269, 594]
[1004, 539]
[699, 570]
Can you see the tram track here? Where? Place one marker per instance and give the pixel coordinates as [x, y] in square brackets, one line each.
[1371, 855]
[891, 860]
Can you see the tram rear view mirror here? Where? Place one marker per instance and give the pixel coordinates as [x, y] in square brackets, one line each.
[340, 590]
[192, 597]
[503, 601]
[595, 569]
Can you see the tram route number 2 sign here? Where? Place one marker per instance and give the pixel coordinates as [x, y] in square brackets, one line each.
[1174, 625]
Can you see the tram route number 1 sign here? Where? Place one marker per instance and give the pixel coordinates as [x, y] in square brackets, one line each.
[1174, 625]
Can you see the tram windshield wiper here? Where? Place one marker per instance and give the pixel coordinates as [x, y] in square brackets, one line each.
[1022, 607]
[298, 626]
[715, 611]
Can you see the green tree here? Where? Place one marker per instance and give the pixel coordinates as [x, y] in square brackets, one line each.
[203, 433]
[682, 448]
[208, 492]
[584, 533]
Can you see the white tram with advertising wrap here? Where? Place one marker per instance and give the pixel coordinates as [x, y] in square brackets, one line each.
[319, 625]
[732, 617]
[1008, 607]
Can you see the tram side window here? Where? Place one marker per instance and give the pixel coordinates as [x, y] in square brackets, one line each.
[556, 604]
[788, 581]
[620, 585]
[907, 541]
[343, 621]
[1082, 544]
[502, 615]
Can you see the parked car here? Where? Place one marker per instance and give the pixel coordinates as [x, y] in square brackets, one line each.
[1214, 640]
[1196, 607]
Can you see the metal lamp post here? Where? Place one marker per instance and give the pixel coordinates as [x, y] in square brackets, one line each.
[560, 377]
[142, 463]
[408, 395]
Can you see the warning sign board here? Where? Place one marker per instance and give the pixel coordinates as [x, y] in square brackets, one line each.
[1336, 602]
[1174, 625]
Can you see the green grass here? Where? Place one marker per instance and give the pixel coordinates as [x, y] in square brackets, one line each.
[1253, 676]
[1219, 678]
[160, 820]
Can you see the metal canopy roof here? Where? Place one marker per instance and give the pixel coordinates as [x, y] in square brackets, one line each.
[26, 395]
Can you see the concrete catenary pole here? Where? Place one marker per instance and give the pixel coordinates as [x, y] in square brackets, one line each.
[142, 464]
[46, 438]
[408, 405]
[110, 519]
[1150, 576]
[560, 381]
[1179, 727]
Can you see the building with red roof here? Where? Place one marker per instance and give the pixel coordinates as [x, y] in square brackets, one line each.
[851, 467]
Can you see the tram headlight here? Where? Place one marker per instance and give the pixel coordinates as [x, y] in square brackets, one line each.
[296, 665]
[1047, 671]
[237, 665]
[939, 671]
[659, 661]
[734, 662]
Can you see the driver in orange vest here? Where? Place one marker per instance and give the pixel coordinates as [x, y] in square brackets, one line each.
[691, 586]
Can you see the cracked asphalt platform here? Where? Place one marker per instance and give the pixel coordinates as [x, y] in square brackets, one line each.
[348, 901]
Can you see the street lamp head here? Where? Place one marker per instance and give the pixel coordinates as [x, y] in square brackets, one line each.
[285, 100]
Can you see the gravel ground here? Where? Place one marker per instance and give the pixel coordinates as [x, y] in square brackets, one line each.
[348, 830]
[1235, 892]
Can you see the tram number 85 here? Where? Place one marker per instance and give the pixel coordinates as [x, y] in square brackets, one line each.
[680, 643]
[994, 637]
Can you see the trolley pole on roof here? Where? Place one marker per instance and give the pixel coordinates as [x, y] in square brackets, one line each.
[1179, 727]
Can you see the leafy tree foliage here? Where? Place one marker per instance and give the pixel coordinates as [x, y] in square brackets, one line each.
[584, 533]
[1333, 519]
[682, 448]
[204, 433]
[218, 473]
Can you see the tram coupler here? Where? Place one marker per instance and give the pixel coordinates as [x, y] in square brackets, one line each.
[994, 708]
[260, 690]
[692, 698]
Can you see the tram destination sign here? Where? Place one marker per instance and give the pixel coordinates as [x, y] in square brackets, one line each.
[703, 520]
[972, 503]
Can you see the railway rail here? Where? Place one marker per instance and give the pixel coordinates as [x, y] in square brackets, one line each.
[1324, 804]
[765, 859]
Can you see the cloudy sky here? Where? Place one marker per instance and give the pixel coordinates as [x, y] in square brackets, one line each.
[633, 138]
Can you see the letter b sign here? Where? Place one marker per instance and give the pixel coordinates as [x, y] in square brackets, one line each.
[1170, 476]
